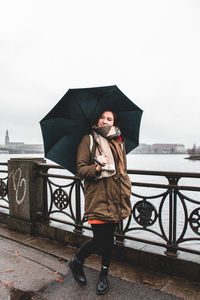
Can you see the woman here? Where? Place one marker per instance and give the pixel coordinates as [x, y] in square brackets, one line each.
[107, 190]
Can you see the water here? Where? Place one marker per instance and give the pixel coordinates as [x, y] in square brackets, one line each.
[155, 162]
[152, 162]
[162, 162]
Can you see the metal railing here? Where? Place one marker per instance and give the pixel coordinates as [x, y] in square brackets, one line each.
[4, 202]
[163, 212]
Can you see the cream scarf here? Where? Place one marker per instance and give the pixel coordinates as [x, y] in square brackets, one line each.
[102, 135]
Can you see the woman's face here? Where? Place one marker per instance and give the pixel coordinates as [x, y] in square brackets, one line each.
[106, 119]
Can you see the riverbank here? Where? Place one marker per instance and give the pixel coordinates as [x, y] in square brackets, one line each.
[193, 157]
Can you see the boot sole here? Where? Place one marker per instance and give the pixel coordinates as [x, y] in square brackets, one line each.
[102, 293]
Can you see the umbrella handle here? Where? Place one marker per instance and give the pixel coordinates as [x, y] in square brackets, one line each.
[97, 161]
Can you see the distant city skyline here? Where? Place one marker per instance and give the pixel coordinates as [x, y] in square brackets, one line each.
[39, 140]
[8, 141]
[19, 147]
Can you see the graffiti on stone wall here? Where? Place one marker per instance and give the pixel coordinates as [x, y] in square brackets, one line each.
[19, 185]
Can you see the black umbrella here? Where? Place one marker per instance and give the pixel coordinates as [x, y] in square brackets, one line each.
[72, 117]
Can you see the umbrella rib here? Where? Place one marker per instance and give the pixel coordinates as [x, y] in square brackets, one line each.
[82, 110]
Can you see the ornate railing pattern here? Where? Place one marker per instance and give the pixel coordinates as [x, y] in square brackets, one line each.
[64, 199]
[4, 203]
[169, 216]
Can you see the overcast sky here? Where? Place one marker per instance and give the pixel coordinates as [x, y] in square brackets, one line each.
[149, 48]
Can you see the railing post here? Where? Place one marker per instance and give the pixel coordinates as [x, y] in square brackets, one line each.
[119, 239]
[172, 251]
[78, 228]
[26, 193]
[43, 215]
[3, 186]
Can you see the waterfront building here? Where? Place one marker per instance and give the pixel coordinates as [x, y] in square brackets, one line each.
[3, 149]
[7, 140]
[159, 149]
[142, 148]
[168, 148]
[21, 147]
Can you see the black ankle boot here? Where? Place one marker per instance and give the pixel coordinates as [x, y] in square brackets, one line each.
[77, 270]
[102, 284]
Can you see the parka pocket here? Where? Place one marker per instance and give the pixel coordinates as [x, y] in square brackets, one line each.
[126, 185]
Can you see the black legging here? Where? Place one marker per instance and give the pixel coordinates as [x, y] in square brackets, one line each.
[103, 238]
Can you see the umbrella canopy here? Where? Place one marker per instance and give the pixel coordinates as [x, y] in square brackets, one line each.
[72, 117]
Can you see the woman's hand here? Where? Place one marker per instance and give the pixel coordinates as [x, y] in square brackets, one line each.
[98, 168]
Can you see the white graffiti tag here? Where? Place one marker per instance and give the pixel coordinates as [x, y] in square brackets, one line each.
[19, 183]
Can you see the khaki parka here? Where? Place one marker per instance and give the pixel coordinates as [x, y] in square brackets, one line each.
[106, 199]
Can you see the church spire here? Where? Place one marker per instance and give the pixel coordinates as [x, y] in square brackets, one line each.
[7, 140]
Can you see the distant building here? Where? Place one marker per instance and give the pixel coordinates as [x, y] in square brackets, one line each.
[159, 149]
[168, 148]
[3, 149]
[143, 148]
[21, 147]
[7, 140]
